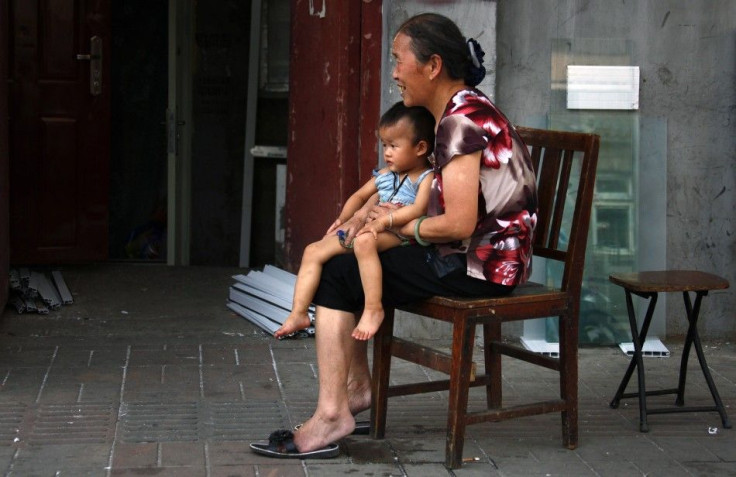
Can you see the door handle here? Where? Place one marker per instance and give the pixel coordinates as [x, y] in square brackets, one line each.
[95, 65]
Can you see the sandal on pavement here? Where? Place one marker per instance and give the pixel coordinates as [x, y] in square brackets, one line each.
[281, 446]
[362, 428]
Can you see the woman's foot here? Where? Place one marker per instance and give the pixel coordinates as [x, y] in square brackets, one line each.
[294, 322]
[359, 396]
[369, 323]
[318, 432]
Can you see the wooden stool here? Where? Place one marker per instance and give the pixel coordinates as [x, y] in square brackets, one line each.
[647, 285]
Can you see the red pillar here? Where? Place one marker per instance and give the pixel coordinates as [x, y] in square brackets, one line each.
[4, 157]
[334, 96]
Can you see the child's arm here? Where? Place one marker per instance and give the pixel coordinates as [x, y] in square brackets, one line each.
[359, 218]
[356, 207]
[397, 217]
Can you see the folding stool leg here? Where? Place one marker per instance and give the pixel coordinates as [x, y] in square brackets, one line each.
[381, 374]
[692, 317]
[463, 338]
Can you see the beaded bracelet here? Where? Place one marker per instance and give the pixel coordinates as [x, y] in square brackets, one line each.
[390, 220]
[419, 240]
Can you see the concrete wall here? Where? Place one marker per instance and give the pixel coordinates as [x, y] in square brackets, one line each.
[686, 52]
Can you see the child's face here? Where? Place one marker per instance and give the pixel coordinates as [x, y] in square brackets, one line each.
[399, 150]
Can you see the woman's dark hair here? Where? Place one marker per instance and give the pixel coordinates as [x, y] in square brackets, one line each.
[434, 34]
[420, 118]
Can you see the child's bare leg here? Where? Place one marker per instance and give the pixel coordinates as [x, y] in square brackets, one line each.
[307, 281]
[366, 250]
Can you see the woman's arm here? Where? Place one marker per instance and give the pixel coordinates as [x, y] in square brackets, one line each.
[460, 185]
[396, 217]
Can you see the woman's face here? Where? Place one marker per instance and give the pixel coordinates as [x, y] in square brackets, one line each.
[408, 73]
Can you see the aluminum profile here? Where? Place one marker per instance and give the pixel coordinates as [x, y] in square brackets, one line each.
[47, 290]
[65, 294]
[261, 321]
[41, 307]
[37, 291]
[31, 305]
[265, 298]
[274, 313]
[19, 304]
[32, 285]
[25, 275]
[14, 280]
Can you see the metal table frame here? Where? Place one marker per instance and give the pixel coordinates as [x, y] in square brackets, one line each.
[648, 285]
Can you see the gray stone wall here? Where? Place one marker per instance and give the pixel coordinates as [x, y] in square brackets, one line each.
[686, 52]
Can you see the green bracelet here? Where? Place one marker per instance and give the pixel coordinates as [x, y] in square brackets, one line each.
[419, 240]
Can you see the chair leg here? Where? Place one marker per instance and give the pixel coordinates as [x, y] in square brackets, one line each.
[494, 390]
[462, 357]
[569, 377]
[381, 373]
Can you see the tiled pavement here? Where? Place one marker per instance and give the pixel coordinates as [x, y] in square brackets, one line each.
[148, 373]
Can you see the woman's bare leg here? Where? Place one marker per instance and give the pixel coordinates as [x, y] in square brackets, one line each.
[336, 358]
[359, 379]
[307, 281]
[366, 250]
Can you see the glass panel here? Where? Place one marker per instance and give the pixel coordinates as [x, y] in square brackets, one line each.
[614, 238]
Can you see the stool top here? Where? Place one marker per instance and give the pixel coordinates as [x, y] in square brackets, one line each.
[669, 281]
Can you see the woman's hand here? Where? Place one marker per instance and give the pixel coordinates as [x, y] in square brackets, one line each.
[379, 210]
[350, 228]
[373, 227]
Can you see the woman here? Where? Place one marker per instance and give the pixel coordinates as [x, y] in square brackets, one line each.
[475, 240]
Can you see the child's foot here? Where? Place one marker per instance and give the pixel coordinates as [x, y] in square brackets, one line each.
[368, 324]
[294, 322]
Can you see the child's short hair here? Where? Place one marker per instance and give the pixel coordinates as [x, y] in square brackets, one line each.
[421, 119]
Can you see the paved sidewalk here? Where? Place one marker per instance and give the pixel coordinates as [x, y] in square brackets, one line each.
[148, 373]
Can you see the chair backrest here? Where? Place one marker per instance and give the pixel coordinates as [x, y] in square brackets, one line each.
[564, 162]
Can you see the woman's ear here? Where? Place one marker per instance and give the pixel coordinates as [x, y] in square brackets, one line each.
[435, 66]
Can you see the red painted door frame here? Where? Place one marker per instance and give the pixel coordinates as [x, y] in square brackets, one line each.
[334, 98]
[4, 158]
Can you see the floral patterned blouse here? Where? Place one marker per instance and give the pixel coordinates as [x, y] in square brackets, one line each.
[500, 248]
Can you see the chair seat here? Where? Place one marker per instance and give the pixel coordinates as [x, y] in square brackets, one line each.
[505, 307]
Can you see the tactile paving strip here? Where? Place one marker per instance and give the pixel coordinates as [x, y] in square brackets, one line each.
[244, 421]
[155, 422]
[11, 419]
[72, 424]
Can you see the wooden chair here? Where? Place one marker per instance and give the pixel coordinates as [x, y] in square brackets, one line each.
[553, 154]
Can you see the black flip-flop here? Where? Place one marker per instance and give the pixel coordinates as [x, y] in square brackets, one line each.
[362, 428]
[281, 446]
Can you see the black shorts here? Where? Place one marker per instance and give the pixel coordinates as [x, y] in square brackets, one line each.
[408, 276]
